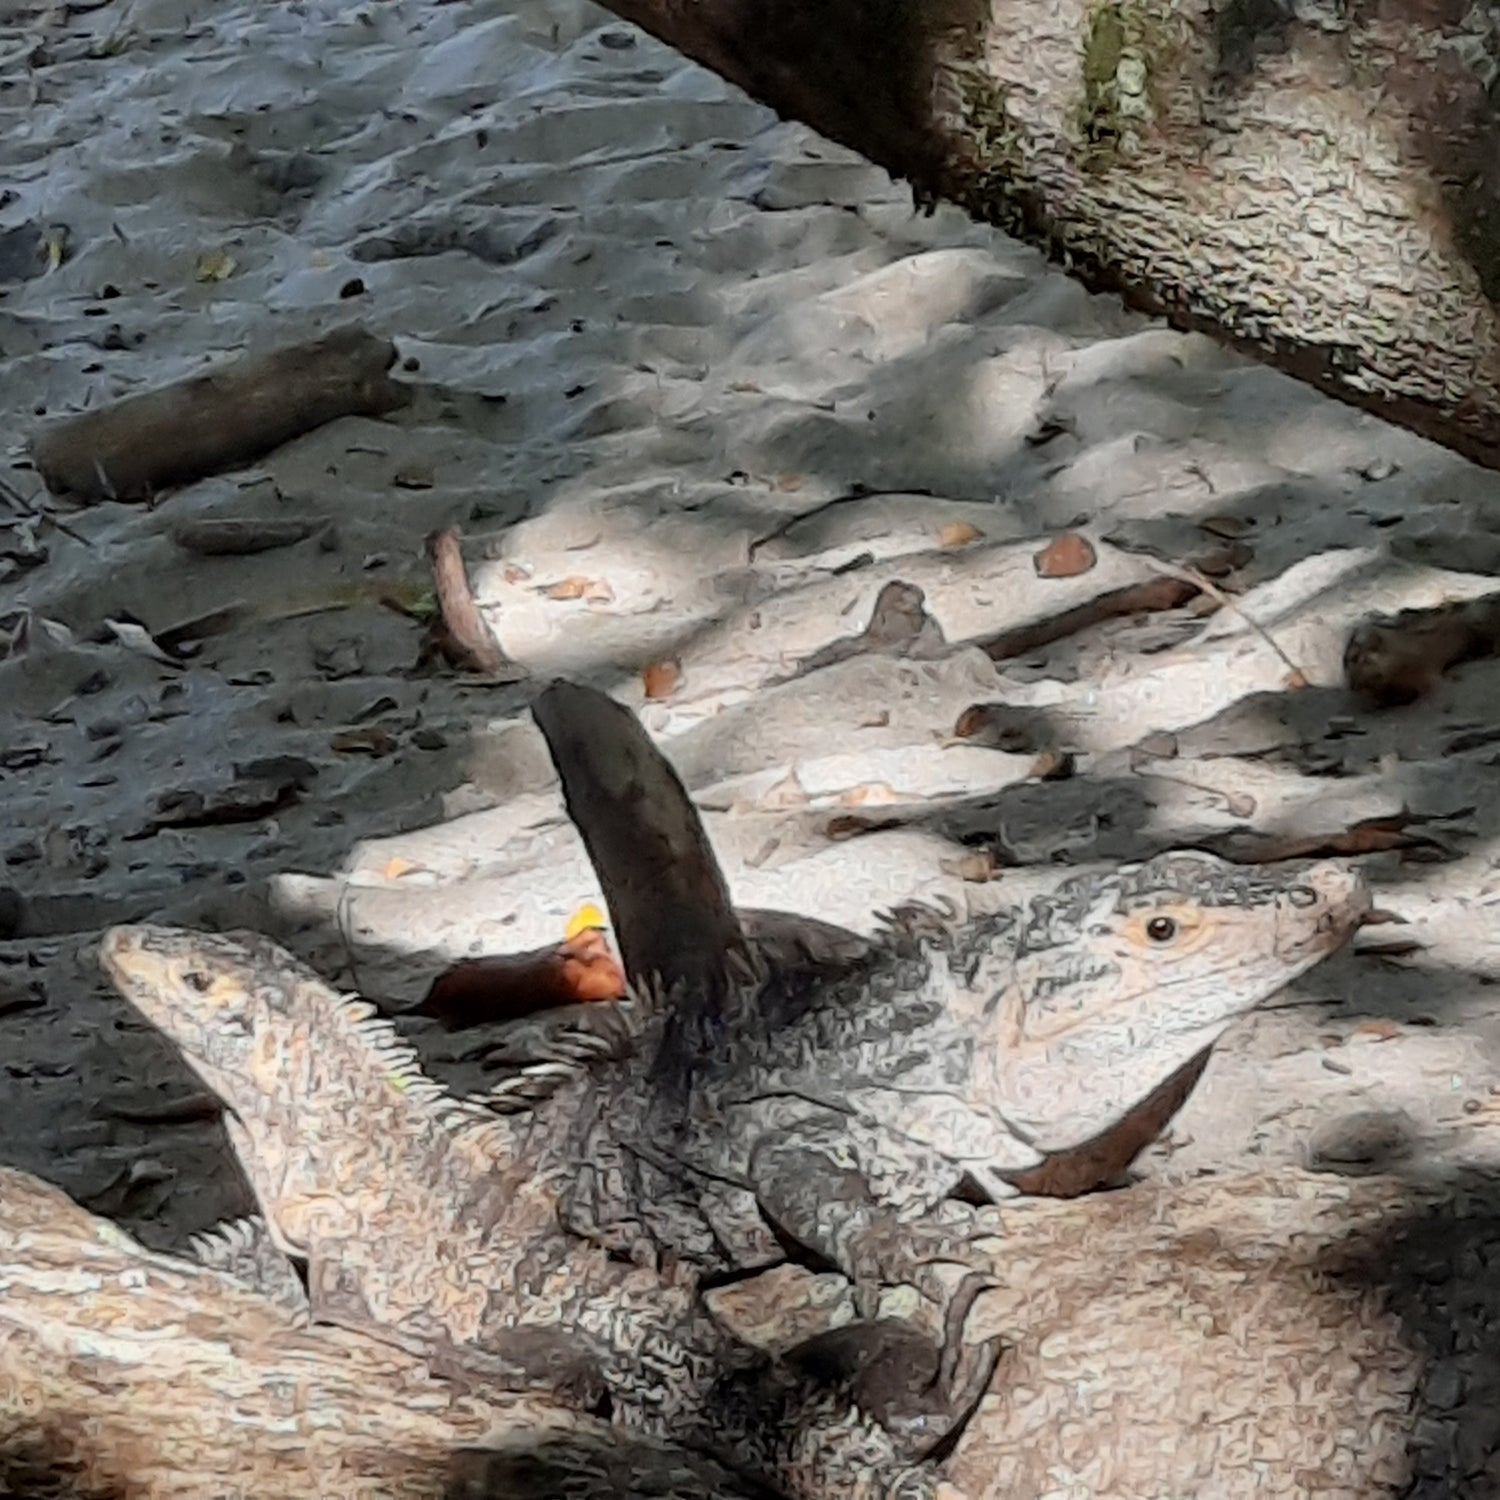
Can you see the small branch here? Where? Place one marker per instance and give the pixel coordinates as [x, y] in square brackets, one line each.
[133, 448]
[463, 637]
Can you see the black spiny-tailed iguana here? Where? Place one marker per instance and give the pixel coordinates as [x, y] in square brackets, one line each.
[1039, 1049]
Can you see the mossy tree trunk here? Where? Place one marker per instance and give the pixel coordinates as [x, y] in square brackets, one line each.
[1314, 181]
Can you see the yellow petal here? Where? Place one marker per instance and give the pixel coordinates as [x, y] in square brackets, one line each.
[586, 919]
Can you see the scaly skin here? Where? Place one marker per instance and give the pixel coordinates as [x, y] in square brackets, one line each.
[1039, 1049]
[1036, 1050]
[422, 1222]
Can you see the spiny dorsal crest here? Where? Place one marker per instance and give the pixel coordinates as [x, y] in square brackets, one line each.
[227, 1242]
[400, 1063]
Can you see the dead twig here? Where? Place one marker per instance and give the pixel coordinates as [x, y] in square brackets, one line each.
[1227, 601]
[461, 635]
[1150, 597]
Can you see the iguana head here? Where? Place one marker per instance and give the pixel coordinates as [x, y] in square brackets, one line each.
[232, 1003]
[320, 1092]
[1122, 981]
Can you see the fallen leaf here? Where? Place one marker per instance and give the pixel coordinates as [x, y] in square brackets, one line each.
[1065, 556]
[1376, 1031]
[515, 573]
[397, 867]
[588, 918]
[578, 587]
[958, 534]
[788, 484]
[1295, 682]
[215, 265]
[661, 679]
[419, 605]
[1053, 765]
[138, 639]
[788, 792]
[864, 795]
[975, 867]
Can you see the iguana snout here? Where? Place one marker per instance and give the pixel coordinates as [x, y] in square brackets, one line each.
[1337, 897]
[1123, 980]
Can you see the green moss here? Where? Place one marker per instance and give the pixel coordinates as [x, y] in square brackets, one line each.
[1129, 47]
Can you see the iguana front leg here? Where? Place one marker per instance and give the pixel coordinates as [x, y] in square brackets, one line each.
[784, 1419]
[922, 1395]
[557, 1361]
[812, 1185]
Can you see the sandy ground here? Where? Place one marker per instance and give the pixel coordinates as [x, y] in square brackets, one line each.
[696, 385]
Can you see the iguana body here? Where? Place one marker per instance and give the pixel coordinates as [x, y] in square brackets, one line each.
[1036, 1049]
[826, 1116]
[1167, 1340]
[423, 1221]
[760, 1110]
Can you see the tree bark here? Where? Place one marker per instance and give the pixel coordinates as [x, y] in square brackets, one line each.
[1315, 182]
[128, 1375]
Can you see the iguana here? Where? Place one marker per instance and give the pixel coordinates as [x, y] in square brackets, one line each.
[1039, 1049]
[1006, 1048]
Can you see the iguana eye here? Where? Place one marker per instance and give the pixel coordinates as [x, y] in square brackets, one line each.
[196, 981]
[1161, 929]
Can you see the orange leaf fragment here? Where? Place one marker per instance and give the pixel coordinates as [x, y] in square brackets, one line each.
[395, 868]
[870, 791]
[588, 918]
[1065, 556]
[1376, 1031]
[661, 679]
[958, 534]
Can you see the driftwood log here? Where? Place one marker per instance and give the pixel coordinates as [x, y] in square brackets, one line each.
[128, 1375]
[1277, 1335]
[232, 415]
[1315, 183]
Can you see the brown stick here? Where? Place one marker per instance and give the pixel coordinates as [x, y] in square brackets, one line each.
[667, 896]
[230, 416]
[464, 638]
[1135, 598]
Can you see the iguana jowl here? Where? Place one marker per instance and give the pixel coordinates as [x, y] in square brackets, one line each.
[828, 1117]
